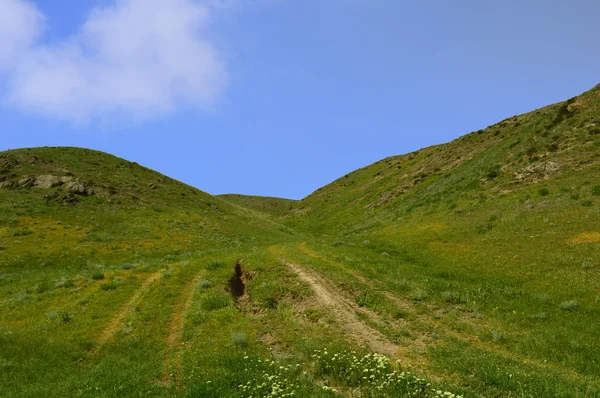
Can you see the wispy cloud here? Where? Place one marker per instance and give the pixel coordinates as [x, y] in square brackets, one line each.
[20, 25]
[142, 58]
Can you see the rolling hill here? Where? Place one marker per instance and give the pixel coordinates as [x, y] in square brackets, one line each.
[269, 206]
[471, 267]
[555, 146]
[97, 201]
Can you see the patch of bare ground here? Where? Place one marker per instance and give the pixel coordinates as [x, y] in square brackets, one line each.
[117, 321]
[417, 343]
[402, 304]
[344, 311]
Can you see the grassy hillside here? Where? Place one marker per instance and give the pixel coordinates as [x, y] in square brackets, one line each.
[471, 267]
[493, 243]
[118, 281]
[108, 207]
[556, 147]
[267, 205]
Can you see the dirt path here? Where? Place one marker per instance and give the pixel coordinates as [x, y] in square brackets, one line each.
[398, 302]
[344, 311]
[117, 321]
[172, 365]
[417, 343]
[422, 341]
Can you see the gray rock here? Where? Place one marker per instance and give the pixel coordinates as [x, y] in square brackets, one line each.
[7, 184]
[77, 187]
[537, 172]
[48, 181]
[26, 182]
[66, 179]
[53, 195]
[8, 163]
[68, 199]
[7, 177]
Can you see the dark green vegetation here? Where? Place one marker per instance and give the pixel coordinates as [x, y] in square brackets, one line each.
[476, 263]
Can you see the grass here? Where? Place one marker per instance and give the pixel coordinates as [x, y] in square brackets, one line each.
[270, 207]
[478, 259]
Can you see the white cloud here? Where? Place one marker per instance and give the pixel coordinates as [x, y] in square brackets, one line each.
[143, 58]
[20, 24]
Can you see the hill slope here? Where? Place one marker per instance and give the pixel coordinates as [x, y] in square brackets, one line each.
[554, 146]
[268, 205]
[494, 237]
[474, 264]
[92, 201]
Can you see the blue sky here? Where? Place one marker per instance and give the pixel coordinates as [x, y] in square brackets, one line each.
[280, 97]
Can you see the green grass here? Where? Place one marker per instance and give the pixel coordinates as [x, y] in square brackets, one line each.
[272, 207]
[479, 258]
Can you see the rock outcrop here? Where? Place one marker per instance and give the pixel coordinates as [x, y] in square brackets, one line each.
[26, 182]
[71, 186]
[48, 181]
[79, 187]
[537, 172]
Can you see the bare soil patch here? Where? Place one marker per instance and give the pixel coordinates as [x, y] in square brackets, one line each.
[344, 311]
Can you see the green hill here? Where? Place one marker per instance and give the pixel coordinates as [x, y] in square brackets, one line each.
[267, 205]
[99, 202]
[471, 267]
[556, 146]
[493, 237]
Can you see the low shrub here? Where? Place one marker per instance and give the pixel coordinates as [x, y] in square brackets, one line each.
[570, 305]
[239, 339]
[98, 276]
[215, 302]
[453, 297]
[204, 284]
[540, 316]
[23, 232]
[112, 285]
[66, 283]
[363, 300]
[65, 317]
[215, 264]
[419, 295]
[484, 228]
[498, 335]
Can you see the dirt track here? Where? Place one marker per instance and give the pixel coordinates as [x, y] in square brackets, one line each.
[344, 311]
[176, 324]
[117, 321]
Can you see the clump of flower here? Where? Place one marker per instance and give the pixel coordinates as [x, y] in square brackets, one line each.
[365, 376]
[273, 380]
[373, 375]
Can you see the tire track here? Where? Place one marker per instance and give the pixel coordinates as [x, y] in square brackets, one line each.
[172, 370]
[116, 322]
[423, 341]
[391, 297]
[344, 311]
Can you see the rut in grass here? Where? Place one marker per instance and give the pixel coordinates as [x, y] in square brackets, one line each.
[172, 365]
[423, 340]
[344, 311]
[117, 321]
